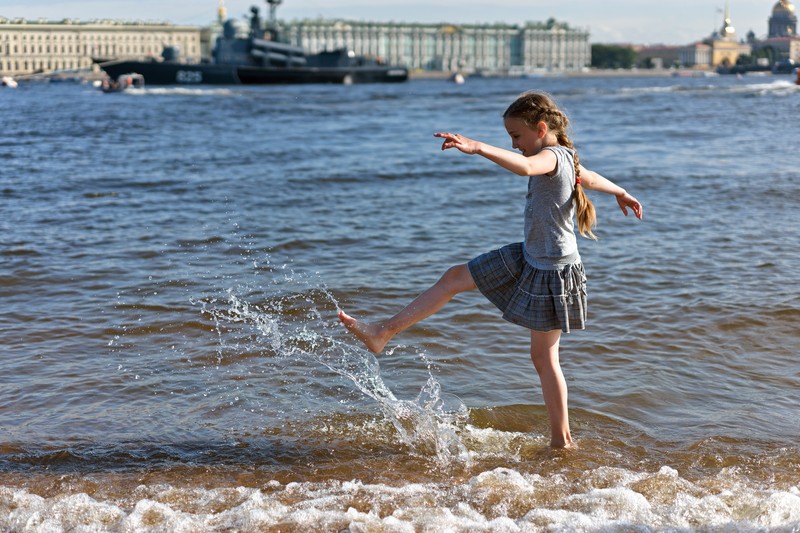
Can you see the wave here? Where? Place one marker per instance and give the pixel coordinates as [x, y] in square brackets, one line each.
[493, 499]
[183, 91]
[776, 87]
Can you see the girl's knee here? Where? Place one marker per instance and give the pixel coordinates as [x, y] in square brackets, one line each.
[458, 279]
[543, 362]
[544, 349]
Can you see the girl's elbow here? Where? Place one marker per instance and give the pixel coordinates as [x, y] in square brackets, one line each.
[589, 179]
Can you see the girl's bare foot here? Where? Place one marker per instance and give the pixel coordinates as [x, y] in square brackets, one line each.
[374, 336]
[564, 445]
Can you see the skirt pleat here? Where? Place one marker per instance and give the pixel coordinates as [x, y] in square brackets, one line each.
[538, 299]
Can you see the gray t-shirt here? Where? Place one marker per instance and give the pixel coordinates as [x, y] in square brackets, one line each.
[550, 242]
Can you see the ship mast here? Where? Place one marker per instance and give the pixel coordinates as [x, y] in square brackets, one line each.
[273, 7]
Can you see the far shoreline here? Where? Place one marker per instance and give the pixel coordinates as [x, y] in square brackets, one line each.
[593, 73]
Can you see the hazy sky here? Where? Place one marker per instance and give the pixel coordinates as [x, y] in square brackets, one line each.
[631, 21]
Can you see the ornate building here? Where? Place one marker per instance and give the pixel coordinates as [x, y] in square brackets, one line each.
[491, 48]
[721, 49]
[782, 44]
[783, 22]
[28, 47]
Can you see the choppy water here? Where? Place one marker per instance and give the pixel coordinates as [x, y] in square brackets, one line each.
[172, 263]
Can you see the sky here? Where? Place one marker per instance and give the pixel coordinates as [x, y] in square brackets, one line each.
[674, 22]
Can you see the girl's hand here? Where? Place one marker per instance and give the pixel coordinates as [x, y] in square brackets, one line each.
[625, 201]
[453, 140]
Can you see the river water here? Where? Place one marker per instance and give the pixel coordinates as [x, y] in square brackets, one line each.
[173, 260]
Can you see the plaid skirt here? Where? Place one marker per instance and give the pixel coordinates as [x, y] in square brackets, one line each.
[542, 300]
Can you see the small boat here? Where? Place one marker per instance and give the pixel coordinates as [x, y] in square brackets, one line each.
[784, 66]
[691, 73]
[458, 78]
[8, 81]
[124, 82]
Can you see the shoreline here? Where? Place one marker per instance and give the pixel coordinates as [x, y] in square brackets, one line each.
[592, 73]
[595, 73]
[446, 75]
[426, 74]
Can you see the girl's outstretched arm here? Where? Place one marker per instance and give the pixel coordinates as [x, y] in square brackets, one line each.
[542, 163]
[595, 182]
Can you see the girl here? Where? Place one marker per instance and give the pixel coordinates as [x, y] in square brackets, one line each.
[539, 283]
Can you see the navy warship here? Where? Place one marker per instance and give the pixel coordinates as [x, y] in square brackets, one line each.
[259, 58]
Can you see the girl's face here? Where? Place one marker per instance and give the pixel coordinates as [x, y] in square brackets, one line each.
[527, 140]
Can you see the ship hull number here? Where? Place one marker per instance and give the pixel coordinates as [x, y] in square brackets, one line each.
[189, 76]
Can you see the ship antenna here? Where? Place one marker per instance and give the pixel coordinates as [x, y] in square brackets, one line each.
[273, 7]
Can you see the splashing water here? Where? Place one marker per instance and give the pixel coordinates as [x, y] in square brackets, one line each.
[292, 326]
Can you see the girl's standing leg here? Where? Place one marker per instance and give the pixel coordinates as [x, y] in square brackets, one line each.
[544, 353]
[376, 335]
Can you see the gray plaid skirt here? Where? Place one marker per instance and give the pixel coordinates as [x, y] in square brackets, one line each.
[542, 300]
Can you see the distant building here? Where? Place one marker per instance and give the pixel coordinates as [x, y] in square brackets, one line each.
[657, 56]
[779, 48]
[28, 47]
[697, 55]
[493, 48]
[782, 42]
[721, 49]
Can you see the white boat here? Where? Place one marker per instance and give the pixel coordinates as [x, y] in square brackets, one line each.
[8, 81]
[124, 82]
[458, 78]
[691, 73]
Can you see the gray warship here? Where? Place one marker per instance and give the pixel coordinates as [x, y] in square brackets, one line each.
[260, 58]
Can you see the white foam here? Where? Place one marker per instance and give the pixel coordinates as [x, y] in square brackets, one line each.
[780, 509]
[185, 91]
[500, 499]
[778, 87]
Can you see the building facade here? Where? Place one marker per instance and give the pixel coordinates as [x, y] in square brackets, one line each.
[696, 55]
[28, 47]
[779, 48]
[658, 56]
[554, 48]
[495, 48]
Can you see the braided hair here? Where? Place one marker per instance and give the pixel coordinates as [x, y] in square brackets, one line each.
[534, 107]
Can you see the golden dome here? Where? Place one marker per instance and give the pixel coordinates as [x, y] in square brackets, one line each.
[784, 6]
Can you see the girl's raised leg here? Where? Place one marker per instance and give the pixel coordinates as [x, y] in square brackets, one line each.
[544, 353]
[376, 335]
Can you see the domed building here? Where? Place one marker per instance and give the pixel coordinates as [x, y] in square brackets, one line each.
[722, 49]
[783, 22]
[782, 45]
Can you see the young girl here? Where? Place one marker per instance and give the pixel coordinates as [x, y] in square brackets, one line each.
[540, 283]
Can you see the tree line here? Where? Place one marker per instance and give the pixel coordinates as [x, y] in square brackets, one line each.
[613, 56]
